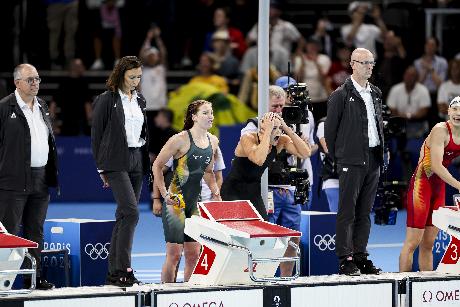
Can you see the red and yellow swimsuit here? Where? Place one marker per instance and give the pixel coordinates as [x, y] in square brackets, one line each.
[427, 192]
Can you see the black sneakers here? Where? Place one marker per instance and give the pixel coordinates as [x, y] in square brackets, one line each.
[365, 265]
[122, 279]
[40, 284]
[131, 278]
[348, 267]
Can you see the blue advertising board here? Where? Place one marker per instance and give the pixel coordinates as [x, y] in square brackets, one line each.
[318, 243]
[79, 180]
[87, 242]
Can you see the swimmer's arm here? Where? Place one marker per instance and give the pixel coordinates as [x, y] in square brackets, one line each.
[256, 153]
[171, 148]
[437, 143]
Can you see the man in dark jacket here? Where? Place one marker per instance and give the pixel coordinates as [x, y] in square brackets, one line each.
[354, 137]
[28, 162]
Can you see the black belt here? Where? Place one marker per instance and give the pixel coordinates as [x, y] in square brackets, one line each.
[38, 168]
[134, 148]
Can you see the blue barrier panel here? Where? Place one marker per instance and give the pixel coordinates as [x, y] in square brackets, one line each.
[78, 176]
[88, 243]
[229, 137]
[318, 243]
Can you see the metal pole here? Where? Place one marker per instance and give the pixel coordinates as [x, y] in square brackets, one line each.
[263, 74]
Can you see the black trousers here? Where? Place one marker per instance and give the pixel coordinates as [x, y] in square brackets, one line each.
[28, 210]
[126, 189]
[357, 189]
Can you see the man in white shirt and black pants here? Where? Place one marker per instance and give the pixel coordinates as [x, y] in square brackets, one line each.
[28, 162]
[354, 137]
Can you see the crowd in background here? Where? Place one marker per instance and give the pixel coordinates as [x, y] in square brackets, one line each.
[218, 39]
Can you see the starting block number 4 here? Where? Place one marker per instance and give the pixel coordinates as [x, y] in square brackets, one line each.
[205, 262]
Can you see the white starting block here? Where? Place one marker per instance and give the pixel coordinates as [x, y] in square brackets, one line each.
[238, 246]
[13, 250]
[448, 219]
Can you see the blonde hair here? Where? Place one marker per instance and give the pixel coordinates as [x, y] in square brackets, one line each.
[276, 91]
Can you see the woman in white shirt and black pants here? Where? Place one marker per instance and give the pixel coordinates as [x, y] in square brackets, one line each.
[119, 141]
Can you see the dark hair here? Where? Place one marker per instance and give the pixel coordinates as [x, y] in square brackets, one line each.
[451, 64]
[116, 78]
[226, 11]
[192, 110]
[166, 113]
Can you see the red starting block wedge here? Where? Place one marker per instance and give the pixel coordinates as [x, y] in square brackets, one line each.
[238, 245]
[13, 250]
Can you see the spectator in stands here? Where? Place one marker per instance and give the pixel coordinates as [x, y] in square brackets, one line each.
[450, 88]
[411, 101]
[362, 35]
[72, 102]
[278, 57]
[432, 68]
[226, 65]
[340, 69]
[312, 67]
[249, 86]
[119, 140]
[28, 165]
[110, 28]
[153, 83]
[206, 74]
[282, 33]
[323, 27]
[221, 23]
[62, 16]
[390, 68]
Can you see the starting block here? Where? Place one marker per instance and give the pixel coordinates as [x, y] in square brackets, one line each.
[238, 246]
[448, 219]
[13, 250]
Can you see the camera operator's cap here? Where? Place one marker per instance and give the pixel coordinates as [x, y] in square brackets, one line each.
[284, 82]
[455, 102]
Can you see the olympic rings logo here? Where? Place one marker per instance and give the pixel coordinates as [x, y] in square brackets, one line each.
[324, 242]
[97, 251]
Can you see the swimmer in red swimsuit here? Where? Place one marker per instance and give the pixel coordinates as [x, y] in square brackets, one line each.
[427, 189]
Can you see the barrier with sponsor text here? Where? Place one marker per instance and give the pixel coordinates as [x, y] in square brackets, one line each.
[444, 291]
[216, 298]
[361, 293]
[318, 243]
[88, 243]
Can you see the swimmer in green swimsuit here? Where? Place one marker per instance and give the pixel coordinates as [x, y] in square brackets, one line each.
[193, 150]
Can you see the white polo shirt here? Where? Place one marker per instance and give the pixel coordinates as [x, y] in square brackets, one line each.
[39, 132]
[365, 93]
